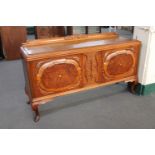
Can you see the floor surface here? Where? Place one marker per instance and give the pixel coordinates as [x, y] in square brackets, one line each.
[111, 107]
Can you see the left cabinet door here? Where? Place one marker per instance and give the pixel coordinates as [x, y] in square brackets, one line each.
[12, 39]
[56, 74]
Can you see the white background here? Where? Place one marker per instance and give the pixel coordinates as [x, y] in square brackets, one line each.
[77, 13]
[146, 73]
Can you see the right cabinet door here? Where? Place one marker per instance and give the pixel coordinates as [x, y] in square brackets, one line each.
[117, 64]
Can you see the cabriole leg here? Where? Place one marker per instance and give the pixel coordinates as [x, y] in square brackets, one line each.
[28, 102]
[132, 86]
[37, 115]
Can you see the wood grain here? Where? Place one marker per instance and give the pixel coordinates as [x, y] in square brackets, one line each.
[59, 75]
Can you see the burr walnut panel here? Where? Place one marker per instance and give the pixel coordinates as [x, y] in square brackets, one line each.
[119, 63]
[59, 75]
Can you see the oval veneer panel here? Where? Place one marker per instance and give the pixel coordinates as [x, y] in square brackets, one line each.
[119, 63]
[59, 75]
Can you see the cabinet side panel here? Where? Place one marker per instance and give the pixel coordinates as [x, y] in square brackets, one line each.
[27, 79]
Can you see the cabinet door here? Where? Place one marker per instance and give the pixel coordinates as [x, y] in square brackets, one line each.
[12, 39]
[118, 63]
[57, 75]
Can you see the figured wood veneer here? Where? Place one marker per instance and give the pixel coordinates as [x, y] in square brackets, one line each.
[59, 66]
[119, 63]
[59, 75]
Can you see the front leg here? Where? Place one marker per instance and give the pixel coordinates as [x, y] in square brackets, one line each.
[35, 106]
[26, 92]
[36, 110]
[132, 86]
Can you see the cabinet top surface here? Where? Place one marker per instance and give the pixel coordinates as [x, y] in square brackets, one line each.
[43, 46]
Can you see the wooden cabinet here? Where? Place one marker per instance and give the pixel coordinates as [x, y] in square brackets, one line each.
[49, 31]
[12, 39]
[64, 65]
[1, 49]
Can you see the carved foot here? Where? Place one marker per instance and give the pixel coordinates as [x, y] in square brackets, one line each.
[37, 115]
[132, 87]
[28, 102]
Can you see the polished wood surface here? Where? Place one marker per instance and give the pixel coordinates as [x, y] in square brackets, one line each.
[55, 67]
[44, 47]
[12, 39]
[49, 31]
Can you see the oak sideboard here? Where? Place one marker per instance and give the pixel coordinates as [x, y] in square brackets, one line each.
[64, 65]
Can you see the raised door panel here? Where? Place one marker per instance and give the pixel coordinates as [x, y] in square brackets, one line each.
[117, 64]
[58, 75]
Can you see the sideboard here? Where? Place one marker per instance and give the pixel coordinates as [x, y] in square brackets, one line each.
[64, 65]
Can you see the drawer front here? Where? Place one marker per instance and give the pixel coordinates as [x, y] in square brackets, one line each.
[57, 75]
[118, 63]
